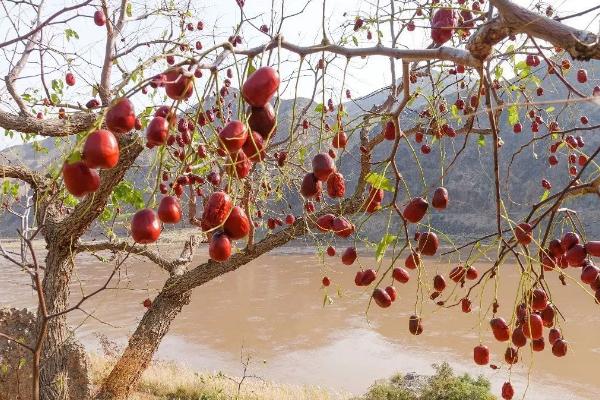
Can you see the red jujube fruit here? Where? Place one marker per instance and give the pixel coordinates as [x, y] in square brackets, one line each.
[157, 131]
[169, 210]
[233, 136]
[120, 117]
[79, 179]
[219, 247]
[145, 226]
[180, 86]
[237, 225]
[216, 210]
[260, 86]
[101, 150]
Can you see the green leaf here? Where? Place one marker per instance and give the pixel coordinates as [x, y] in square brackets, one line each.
[355, 41]
[513, 114]
[320, 108]
[327, 300]
[379, 181]
[129, 10]
[550, 109]
[544, 195]
[481, 140]
[384, 243]
[498, 72]
[70, 33]
[251, 68]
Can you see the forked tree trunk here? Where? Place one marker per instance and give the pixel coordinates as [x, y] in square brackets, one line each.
[142, 345]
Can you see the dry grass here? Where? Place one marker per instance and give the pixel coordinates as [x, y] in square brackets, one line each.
[170, 381]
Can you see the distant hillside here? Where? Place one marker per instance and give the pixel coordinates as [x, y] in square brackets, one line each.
[470, 181]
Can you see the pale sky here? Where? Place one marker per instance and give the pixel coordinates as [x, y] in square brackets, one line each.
[363, 75]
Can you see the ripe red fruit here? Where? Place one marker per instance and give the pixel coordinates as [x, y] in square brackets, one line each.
[472, 273]
[120, 117]
[511, 355]
[481, 355]
[145, 226]
[260, 86]
[358, 278]
[555, 248]
[576, 255]
[342, 227]
[99, 18]
[593, 248]
[254, 147]
[582, 76]
[532, 60]
[552, 160]
[391, 291]
[415, 210]
[101, 150]
[336, 187]
[412, 260]
[179, 84]
[219, 247]
[70, 79]
[262, 120]
[79, 179]
[457, 274]
[517, 128]
[439, 283]
[553, 336]
[368, 277]
[290, 219]
[325, 222]
[538, 344]
[415, 325]
[440, 198]
[539, 300]
[330, 251]
[559, 348]
[169, 210]
[401, 275]
[548, 316]
[389, 132]
[465, 305]
[428, 243]
[340, 140]
[507, 391]
[569, 240]
[523, 233]
[500, 329]
[533, 327]
[349, 256]
[326, 281]
[233, 136]
[518, 337]
[147, 303]
[216, 210]
[311, 186]
[237, 225]
[238, 165]
[157, 131]
[442, 25]
[381, 297]
[323, 166]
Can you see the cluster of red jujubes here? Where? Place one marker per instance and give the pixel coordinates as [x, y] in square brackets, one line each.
[100, 150]
[427, 244]
[536, 312]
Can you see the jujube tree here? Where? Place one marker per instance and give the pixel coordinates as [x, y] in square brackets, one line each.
[263, 176]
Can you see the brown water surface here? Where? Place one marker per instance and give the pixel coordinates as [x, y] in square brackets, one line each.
[273, 310]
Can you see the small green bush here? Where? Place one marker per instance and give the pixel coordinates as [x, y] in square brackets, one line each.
[444, 385]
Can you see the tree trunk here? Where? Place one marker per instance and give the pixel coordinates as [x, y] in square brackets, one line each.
[62, 363]
[142, 345]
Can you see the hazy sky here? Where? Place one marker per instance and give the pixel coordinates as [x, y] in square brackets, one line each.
[363, 75]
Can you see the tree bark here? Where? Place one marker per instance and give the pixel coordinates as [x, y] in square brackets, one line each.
[142, 345]
[60, 378]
